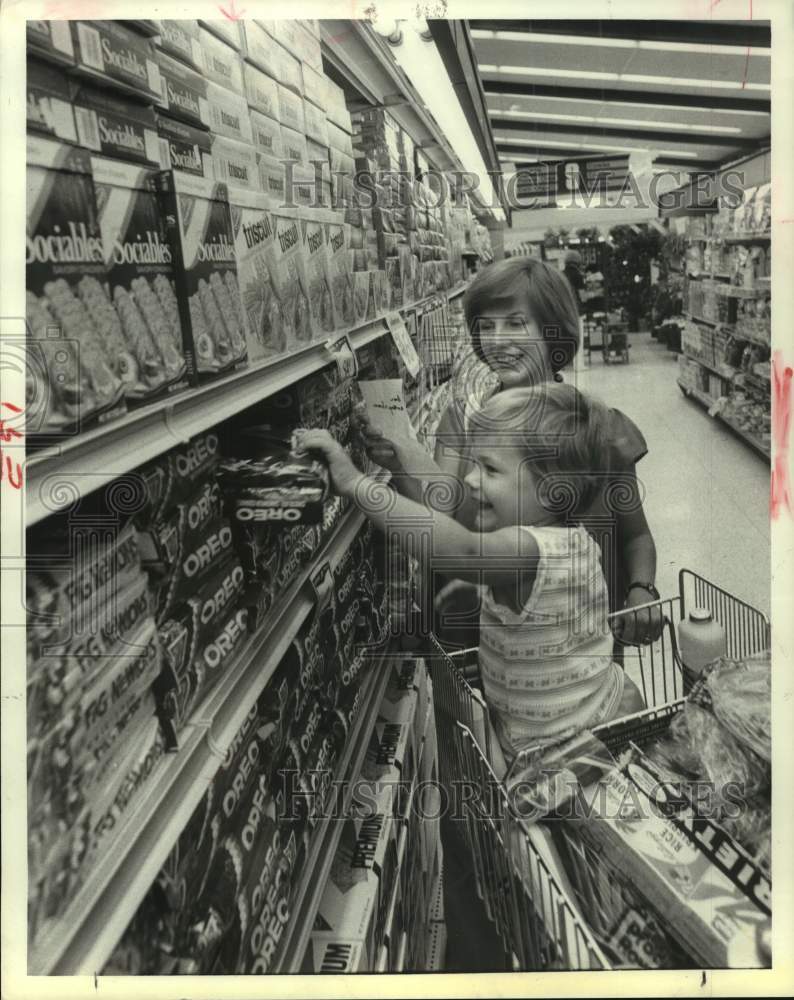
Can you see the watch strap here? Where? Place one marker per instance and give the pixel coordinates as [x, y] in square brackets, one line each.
[644, 586]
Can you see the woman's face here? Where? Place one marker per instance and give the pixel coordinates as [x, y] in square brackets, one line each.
[512, 343]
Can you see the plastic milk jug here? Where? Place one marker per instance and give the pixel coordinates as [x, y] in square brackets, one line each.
[700, 641]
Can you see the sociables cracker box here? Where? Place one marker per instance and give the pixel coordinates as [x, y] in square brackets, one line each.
[183, 92]
[140, 277]
[184, 147]
[112, 53]
[47, 111]
[254, 241]
[52, 40]
[318, 273]
[76, 367]
[110, 124]
[180, 39]
[200, 233]
[290, 280]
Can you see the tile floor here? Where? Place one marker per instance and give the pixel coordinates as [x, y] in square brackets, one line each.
[707, 493]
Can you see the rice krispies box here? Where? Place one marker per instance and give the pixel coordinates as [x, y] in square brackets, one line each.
[140, 278]
[201, 236]
[75, 367]
[713, 899]
[254, 240]
[47, 111]
[184, 147]
[112, 53]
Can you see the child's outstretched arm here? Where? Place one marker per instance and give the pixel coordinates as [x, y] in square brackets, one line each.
[504, 558]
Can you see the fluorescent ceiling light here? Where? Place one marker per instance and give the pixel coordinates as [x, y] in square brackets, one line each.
[510, 141]
[594, 41]
[628, 104]
[422, 64]
[582, 74]
[598, 120]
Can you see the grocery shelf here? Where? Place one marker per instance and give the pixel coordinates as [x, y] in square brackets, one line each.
[748, 237]
[322, 852]
[81, 941]
[59, 476]
[713, 368]
[705, 322]
[705, 400]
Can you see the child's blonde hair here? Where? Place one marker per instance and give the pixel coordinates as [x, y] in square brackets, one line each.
[564, 433]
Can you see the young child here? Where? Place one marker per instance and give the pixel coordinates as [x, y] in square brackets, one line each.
[545, 642]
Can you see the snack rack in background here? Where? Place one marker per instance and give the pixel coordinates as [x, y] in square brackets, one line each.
[725, 359]
[183, 647]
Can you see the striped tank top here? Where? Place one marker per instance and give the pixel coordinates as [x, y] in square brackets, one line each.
[547, 671]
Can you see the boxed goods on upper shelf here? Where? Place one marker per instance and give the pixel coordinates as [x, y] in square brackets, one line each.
[47, 109]
[113, 54]
[201, 237]
[227, 29]
[261, 92]
[236, 164]
[228, 114]
[110, 124]
[221, 64]
[183, 92]
[180, 39]
[52, 40]
[261, 49]
[183, 147]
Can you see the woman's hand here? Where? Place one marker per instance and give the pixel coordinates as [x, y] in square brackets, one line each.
[641, 627]
[344, 475]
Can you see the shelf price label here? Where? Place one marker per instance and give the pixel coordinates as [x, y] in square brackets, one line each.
[341, 350]
[403, 342]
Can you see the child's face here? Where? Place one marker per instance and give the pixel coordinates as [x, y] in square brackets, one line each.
[512, 342]
[505, 489]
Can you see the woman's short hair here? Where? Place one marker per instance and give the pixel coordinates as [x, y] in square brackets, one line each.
[564, 434]
[549, 302]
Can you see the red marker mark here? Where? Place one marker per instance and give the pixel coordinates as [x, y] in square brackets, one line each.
[747, 57]
[232, 14]
[780, 495]
[8, 468]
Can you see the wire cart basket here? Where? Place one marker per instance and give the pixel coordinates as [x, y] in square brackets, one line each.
[537, 915]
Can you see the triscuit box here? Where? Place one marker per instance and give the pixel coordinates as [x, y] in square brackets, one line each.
[180, 39]
[52, 40]
[338, 138]
[254, 240]
[73, 363]
[183, 92]
[227, 30]
[713, 898]
[315, 124]
[266, 135]
[228, 114]
[294, 145]
[314, 88]
[290, 110]
[289, 71]
[261, 49]
[114, 54]
[47, 111]
[308, 47]
[140, 276]
[235, 163]
[221, 63]
[272, 178]
[183, 147]
[290, 281]
[341, 267]
[286, 32]
[354, 906]
[318, 274]
[109, 124]
[199, 228]
[336, 107]
[261, 91]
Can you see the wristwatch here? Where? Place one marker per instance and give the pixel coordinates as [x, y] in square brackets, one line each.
[645, 586]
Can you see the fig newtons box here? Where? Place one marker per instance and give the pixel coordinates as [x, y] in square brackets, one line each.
[713, 897]
[351, 920]
[201, 236]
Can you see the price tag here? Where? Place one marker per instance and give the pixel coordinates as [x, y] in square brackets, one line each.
[343, 354]
[322, 583]
[403, 342]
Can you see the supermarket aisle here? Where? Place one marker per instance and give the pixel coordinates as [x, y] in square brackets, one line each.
[707, 494]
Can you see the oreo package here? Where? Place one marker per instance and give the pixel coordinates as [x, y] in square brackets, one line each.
[174, 476]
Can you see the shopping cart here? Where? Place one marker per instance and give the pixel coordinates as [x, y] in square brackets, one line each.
[539, 920]
[616, 342]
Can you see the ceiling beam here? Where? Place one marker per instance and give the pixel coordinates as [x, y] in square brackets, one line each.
[613, 96]
[757, 34]
[683, 138]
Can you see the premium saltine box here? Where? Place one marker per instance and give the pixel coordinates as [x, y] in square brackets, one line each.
[75, 366]
[318, 272]
[47, 111]
[183, 92]
[184, 147]
[180, 39]
[235, 163]
[110, 124]
[52, 40]
[228, 114]
[261, 91]
[201, 236]
[254, 240]
[111, 53]
[221, 64]
[140, 276]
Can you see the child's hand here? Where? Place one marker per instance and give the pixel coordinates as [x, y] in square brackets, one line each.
[344, 474]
